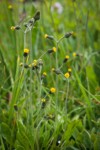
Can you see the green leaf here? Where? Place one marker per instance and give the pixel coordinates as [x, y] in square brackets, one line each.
[97, 143]
[5, 132]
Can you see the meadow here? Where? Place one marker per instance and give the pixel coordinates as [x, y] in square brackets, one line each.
[50, 75]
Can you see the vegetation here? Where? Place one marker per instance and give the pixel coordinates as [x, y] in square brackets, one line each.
[49, 75]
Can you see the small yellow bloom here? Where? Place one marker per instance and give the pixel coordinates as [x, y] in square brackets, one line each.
[10, 7]
[54, 49]
[44, 73]
[52, 90]
[46, 35]
[26, 52]
[74, 54]
[53, 69]
[13, 28]
[43, 100]
[67, 57]
[69, 70]
[67, 75]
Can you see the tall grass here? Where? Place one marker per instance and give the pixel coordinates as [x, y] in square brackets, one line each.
[49, 87]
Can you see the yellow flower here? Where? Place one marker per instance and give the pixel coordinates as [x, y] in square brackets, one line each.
[69, 70]
[43, 100]
[67, 57]
[74, 54]
[46, 35]
[67, 75]
[13, 28]
[26, 52]
[54, 49]
[44, 73]
[52, 90]
[10, 7]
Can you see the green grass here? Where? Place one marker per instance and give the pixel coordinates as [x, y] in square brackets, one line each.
[31, 116]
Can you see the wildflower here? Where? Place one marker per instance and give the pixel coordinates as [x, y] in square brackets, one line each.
[34, 65]
[52, 90]
[67, 75]
[69, 70]
[25, 65]
[10, 7]
[48, 36]
[43, 100]
[67, 35]
[12, 28]
[15, 28]
[40, 62]
[57, 71]
[66, 58]
[43, 75]
[74, 54]
[52, 50]
[26, 52]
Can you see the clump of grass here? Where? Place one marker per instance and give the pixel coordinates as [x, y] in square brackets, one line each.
[50, 107]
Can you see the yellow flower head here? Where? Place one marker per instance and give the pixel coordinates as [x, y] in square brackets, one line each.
[52, 90]
[44, 73]
[26, 52]
[54, 49]
[74, 54]
[43, 100]
[13, 28]
[67, 57]
[10, 7]
[69, 70]
[67, 75]
[46, 35]
[53, 69]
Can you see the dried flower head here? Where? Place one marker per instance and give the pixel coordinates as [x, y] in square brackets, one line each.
[57, 71]
[37, 16]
